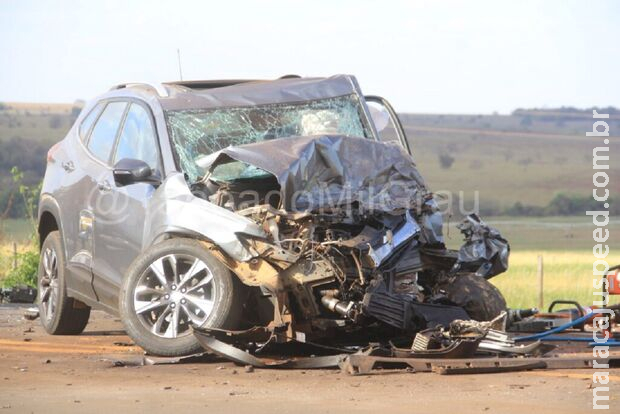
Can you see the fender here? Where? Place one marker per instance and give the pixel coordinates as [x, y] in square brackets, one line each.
[173, 209]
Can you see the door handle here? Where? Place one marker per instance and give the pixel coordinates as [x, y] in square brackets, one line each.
[104, 186]
[68, 166]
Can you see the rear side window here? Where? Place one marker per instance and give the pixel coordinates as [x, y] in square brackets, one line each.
[104, 133]
[88, 122]
[137, 139]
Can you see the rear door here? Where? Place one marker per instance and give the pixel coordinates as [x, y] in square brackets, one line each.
[75, 213]
[120, 214]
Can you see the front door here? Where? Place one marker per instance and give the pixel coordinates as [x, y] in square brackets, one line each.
[96, 163]
[120, 213]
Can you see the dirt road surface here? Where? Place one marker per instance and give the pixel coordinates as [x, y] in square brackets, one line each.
[61, 374]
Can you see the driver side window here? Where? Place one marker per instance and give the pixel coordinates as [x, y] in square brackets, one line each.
[137, 139]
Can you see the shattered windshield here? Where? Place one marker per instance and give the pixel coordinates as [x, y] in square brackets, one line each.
[199, 133]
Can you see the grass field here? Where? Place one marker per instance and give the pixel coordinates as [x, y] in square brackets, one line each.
[507, 168]
[45, 122]
[567, 275]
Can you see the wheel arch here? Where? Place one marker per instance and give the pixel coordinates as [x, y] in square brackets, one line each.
[49, 218]
[256, 272]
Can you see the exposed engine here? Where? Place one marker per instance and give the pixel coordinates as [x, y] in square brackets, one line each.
[344, 263]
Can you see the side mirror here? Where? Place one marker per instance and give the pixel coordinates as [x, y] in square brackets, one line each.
[129, 171]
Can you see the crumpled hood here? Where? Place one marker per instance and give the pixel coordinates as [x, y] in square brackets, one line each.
[318, 172]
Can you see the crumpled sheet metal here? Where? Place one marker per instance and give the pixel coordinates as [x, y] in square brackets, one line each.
[239, 356]
[174, 209]
[367, 363]
[484, 248]
[261, 93]
[317, 172]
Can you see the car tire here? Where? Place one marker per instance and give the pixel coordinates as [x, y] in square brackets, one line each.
[174, 300]
[60, 314]
[481, 300]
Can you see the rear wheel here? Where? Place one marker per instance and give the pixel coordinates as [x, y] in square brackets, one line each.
[177, 284]
[481, 300]
[60, 314]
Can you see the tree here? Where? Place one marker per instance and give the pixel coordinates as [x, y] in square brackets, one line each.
[526, 121]
[446, 161]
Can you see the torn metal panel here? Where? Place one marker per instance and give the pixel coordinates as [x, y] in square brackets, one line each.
[460, 348]
[239, 356]
[485, 251]
[321, 172]
[357, 364]
[402, 234]
[431, 224]
[255, 272]
[366, 362]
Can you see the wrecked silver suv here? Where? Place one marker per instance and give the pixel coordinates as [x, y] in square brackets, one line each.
[293, 203]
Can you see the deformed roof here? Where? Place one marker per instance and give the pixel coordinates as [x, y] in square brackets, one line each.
[216, 94]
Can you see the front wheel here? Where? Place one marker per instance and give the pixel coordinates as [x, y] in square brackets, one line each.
[177, 284]
[481, 300]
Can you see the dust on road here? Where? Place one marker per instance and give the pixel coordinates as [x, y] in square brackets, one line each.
[48, 374]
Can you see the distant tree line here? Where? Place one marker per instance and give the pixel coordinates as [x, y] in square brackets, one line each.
[568, 110]
[561, 204]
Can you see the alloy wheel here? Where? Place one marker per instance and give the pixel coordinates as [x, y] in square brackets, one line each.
[175, 292]
[49, 287]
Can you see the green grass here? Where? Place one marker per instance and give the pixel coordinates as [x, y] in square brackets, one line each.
[567, 275]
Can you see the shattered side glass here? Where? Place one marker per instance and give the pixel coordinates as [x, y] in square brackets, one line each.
[199, 133]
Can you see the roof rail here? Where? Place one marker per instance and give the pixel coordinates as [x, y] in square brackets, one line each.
[158, 87]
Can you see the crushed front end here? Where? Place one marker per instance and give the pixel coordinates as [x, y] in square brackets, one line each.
[353, 239]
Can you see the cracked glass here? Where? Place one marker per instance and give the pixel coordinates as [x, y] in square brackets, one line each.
[198, 133]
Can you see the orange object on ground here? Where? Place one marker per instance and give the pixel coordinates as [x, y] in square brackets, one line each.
[613, 283]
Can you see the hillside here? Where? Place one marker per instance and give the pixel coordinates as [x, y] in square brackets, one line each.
[510, 158]
[527, 157]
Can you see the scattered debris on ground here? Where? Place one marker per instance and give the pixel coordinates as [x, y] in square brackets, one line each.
[18, 294]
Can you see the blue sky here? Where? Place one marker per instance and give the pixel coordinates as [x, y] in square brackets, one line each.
[424, 56]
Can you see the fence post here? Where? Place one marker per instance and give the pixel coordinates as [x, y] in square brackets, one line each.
[541, 301]
[14, 255]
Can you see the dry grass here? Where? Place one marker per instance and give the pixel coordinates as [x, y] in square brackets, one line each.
[6, 256]
[567, 275]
